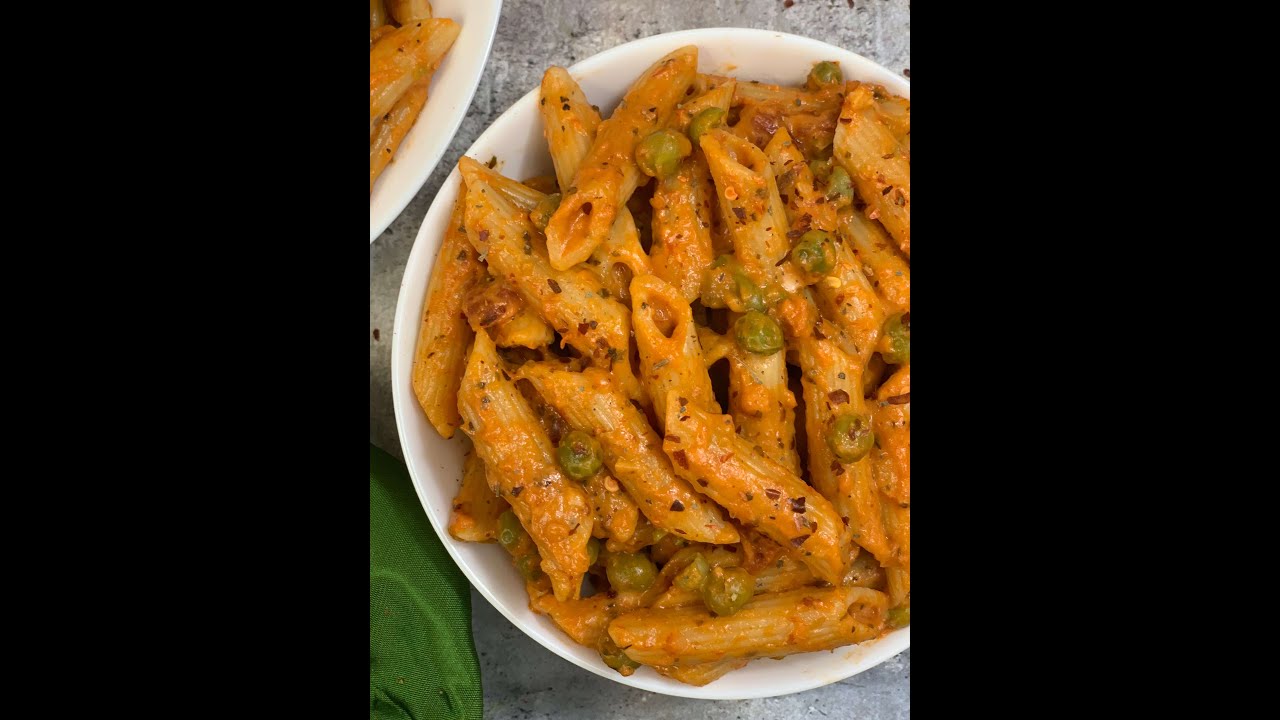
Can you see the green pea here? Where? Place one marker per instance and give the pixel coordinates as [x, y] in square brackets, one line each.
[630, 571]
[851, 437]
[694, 575]
[814, 253]
[727, 285]
[614, 657]
[579, 455]
[839, 185]
[758, 333]
[659, 154]
[900, 616]
[821, 170]
[510, 531]
[897, 331]
[593, 551]
[727, 590]
[825, 73]
[530, 566]
[541, 213]
[705, 120]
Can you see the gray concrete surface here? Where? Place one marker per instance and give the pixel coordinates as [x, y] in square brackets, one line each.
[521, 679]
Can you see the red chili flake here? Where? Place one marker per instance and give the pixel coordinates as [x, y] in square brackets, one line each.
[586, 208]
[702, 482]
[905, 71]
[793, 234]
[845, 120]
[515, 491]
[677, 506]
[749, 496]
[684, 401]
[773, 493]
[462, 255]
[681, 458]
[484, 235]
[555, 286]
[838, 397]
[673, 438]
[678, 530]
[797, 504]
[798, 541]
[788, 3]
[377, 334]
[742, 214]
[899, 399]
[583, 328]
[725, 458]
[845, 520]
[836, 468]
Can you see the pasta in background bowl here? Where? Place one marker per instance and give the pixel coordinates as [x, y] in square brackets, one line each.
[436, 465]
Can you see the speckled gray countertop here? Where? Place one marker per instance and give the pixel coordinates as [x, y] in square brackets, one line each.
[521, 678]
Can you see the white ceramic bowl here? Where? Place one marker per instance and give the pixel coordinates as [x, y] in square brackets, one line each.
[435, 464]
[452, 88]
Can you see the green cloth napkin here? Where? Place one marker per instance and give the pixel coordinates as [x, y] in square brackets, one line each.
[422, 661]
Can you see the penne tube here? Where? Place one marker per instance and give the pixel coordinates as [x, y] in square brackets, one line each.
[586, 620]
[888, 271]
[392, 127]
[444, 335]
[475, 508]
[377, 14]
[899, 586]
[748, 199]
[803, 100]
[632, 452]
[893, 111]
[403, 57]
[380, 32]
[407, 11]
[523, 196]
[772, 625]
[670, 356]
[754, 489]
[608, 174]
[846, 296]
[892, 421]
[870, 153]
[806, 206]
[495, 307]
[569, 124]
[832, 382]
[520, 463]
[700, 674]
[762, 405]
[569, 300]
[720, 97]
[682, 249]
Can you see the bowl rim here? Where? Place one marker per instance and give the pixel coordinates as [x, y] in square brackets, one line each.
[432, 160]
[873, 652]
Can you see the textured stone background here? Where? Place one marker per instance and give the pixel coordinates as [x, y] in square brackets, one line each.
[521, 679]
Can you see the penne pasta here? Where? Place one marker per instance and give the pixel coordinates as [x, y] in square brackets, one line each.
[882, 177]
[586, 620]
[632, 452]
[476, 508]
[569, 300]
[670, 357]
[748, 199]
[392, 127]
[845, 296]
[772, 625]
[701, 673]
[762, 405]
[892, 422]
[444, 337]
[682, 249]
[403, 57]
[806, 206]
[888, 271]
[521, 465]
[755, 490]
[832, 382]
[569, 124]
[608, 174]
[407, 11]
[377, 14]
